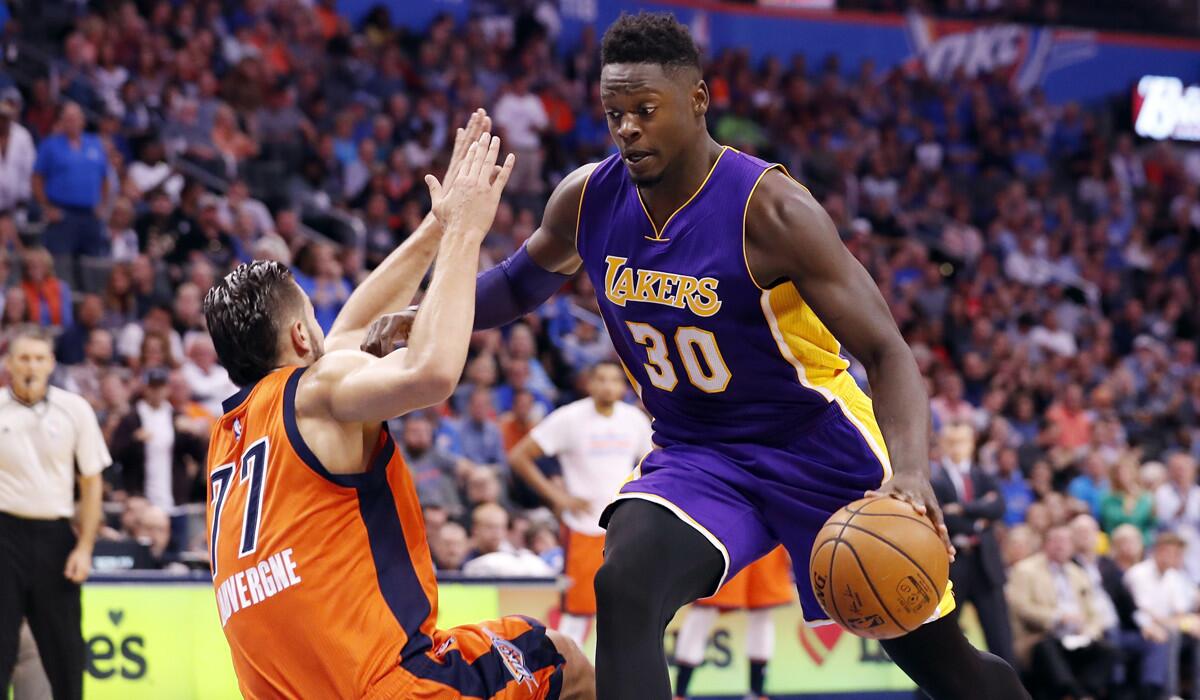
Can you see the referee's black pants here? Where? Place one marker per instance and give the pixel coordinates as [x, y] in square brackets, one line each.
[33, 554]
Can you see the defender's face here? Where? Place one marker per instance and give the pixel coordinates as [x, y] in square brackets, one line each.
[652, 115]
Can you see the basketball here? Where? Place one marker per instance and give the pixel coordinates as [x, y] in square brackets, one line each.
[878, 568]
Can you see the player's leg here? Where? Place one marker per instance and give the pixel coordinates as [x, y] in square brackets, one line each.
[760, 647]
[513, 658]
[690, 644]
[654, 563]
[939, 659]
[583, 556]
[579, 678]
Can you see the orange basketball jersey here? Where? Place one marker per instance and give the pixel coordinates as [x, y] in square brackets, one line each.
[324, 582]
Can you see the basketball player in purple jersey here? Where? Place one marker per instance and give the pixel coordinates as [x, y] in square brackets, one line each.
[726, 291]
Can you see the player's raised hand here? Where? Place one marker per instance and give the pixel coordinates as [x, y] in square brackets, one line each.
[479, 123]
[470, 204]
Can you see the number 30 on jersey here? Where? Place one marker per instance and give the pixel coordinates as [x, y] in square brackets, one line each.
[697, 349]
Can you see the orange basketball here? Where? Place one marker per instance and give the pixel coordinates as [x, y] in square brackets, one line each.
[878, 568]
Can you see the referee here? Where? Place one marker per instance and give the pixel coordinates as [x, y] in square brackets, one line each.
[45, 433]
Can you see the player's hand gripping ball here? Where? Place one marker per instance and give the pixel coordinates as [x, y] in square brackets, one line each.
[878, 568]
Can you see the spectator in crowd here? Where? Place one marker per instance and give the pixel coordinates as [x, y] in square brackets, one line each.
[48, 300]
[516, 423]
[450, 547]
[69, 181]
[84, 378]
[70, 347]
[1141, 656]
[1127, 501]
[17, 157]
[1167, 605]
[1177, 508]
[435, 473]
[521, 120]
[972, 504]
[319, 274]
[1058, 633]
[208, 381]
[478, 434]
[1092, 484]
[1014, 488]
[492, 553]
[153, 457]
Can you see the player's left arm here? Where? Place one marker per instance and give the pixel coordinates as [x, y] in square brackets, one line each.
[789, 236]
[391, 286]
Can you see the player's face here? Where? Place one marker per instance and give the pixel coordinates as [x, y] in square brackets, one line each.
[30, 364]
[652, 115]
[606, 384]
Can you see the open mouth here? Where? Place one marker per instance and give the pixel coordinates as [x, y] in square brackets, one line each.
[635, 157]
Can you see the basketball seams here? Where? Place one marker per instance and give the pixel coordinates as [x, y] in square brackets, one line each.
[871, 584]
[862, 510]
[932, 583]
[915, 518]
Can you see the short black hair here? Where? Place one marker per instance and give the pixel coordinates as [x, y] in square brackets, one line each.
[649, 37]
[245, 312]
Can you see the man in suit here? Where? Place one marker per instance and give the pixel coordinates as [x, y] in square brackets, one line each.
[1058, 633]
[972, 503]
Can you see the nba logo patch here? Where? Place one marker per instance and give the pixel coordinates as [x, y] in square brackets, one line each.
[237, 428]
[513, 660]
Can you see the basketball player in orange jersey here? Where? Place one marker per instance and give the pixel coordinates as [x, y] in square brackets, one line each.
[324, 583]
[758, 589]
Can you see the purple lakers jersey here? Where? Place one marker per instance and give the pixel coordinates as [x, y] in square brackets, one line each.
[714, 356]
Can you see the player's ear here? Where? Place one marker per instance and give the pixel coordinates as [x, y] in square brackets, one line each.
[700, 98]
[301, 342]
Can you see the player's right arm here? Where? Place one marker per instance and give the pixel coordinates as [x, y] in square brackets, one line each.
[357, 388]
[542, 266]
[520, 283]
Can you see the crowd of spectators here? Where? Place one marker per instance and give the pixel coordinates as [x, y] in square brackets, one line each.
[1043, 265]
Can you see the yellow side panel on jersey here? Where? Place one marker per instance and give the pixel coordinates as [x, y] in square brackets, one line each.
[810, 341]
[809, 346]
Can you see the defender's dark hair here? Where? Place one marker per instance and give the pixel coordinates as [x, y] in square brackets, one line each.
[245, 312]
[606, 363]
[649, 37]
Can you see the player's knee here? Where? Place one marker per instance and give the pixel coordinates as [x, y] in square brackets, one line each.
[620, 586]
[579, 678]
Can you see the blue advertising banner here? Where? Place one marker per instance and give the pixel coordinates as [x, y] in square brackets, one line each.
[1069, 64]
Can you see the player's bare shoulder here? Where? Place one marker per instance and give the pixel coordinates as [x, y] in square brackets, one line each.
[314, 392]
[782, 219]
[553, 245]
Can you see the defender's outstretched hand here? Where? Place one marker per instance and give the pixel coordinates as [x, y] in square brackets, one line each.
[469, 204]
[479, 124]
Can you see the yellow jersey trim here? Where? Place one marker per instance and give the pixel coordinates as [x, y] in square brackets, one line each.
[657, 231]
[855, 405]
[579, 210]
[746, 212]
